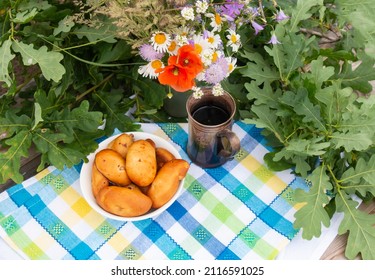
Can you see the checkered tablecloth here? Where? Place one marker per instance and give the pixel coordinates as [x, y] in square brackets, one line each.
[240, 210]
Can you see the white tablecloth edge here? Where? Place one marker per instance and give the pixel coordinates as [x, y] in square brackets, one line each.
[302, 249]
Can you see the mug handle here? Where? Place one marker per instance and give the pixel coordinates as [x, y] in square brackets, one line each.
[229, 142]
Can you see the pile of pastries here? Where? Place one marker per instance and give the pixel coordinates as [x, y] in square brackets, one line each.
[131, 177]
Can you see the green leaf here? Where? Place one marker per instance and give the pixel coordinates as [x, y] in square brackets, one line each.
[65, 25]
[289, 55]
[266, 119]
[301, 165]
[335, 101]
[38, 4]
[114, 52]
[103, 33]
[6, 57]
[360, 178]
[13, 124]
[258, 69]
[337, 55]
[302, 12]
[48, 103]
[359, 117]
[276, 165]
[10, 161]
[86, 142]
[264, 95]
[49, 61]
[37, 115]
[312, 214]
[359, 78]
[84, 119]
[304, 107]
[115, 117]
[360, 15]
[351, 141]
[303, 147]
[25, 16]
[152, 92]
[49, 143]
[319, 73]
[359, 225]
[79, 120]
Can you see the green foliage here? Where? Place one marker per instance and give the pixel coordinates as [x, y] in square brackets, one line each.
[312, 215]
[49, 62]
[359, 14]
[317, 113]
[60, 80]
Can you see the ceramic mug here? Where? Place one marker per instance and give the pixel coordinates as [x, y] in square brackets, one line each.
[211, 141]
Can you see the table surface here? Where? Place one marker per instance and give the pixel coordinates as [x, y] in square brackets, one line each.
[297, 249]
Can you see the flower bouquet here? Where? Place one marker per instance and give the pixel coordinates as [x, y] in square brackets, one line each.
[198, 52]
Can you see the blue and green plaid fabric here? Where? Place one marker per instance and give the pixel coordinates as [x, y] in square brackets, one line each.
[240, 210]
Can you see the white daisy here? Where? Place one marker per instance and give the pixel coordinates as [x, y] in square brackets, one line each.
[216, 55]
[173, 47]
[231, 64]
[184, 31]
[148, 70]
[213, 39]
[216, 21]
[234, 40]
[160, 41]
[200, 44]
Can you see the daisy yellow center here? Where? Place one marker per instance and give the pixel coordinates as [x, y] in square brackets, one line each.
[217, 19]
[214, 57]
[156, 64]
[233, 38]
[198, 48]
[160, 38]
[172, 46]
[230, 67]
[211, 40]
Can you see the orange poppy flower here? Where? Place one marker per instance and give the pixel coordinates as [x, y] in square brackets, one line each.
[181, 70]
[187, 57]
[176, 77]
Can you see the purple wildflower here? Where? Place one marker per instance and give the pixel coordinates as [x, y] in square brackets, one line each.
[254, 11]
[216, 72]
[257, 27]
[232, 9]
[273, 40]
[223, 63]
[205, 34]
[148, 53]
[281, 16]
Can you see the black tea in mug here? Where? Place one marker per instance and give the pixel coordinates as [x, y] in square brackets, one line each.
[211, 141]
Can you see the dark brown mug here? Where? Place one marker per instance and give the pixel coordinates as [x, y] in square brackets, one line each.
[211, 141]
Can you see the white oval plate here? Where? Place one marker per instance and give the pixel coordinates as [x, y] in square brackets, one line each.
[85, 178]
